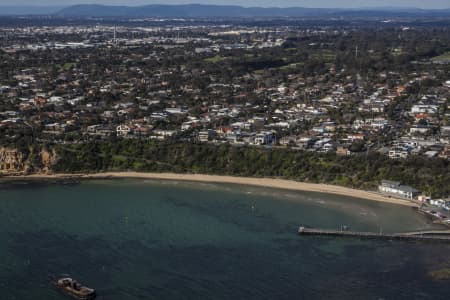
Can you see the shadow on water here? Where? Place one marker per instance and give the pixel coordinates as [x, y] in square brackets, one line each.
[13, 184]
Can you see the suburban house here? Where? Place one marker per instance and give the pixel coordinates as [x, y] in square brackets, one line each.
[396, 189]
[100, 130]
[123, 130]
[263, 138]
[398, 152]
[206, 135]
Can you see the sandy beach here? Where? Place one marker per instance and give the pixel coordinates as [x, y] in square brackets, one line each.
[260, 182]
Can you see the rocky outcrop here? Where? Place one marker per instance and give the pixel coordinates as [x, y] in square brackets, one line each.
[16, 162]
[48, 160]
[12, 161]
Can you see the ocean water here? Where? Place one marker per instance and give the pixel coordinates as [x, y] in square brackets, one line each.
[147, 239]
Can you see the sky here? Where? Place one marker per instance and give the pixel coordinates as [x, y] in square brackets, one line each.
[430, 4]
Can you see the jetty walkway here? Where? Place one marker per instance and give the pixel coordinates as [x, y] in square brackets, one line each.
[429, 232]
[430, 236]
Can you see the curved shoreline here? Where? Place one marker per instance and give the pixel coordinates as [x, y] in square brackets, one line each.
[258, 182]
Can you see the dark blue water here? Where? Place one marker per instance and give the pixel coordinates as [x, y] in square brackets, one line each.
[136, 239]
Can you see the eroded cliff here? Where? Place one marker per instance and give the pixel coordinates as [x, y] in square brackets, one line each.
[12, 161]
[23, 162]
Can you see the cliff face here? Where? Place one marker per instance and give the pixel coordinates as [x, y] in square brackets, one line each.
[47, 159]
[12, 161]
[15, 162]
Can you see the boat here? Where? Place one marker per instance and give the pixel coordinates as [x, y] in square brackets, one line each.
[75, 289]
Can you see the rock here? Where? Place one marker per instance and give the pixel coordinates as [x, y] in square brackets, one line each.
[48, 159]
[15, 162]
[12, 161]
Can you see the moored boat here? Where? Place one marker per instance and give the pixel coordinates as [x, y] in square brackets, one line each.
[75, 289]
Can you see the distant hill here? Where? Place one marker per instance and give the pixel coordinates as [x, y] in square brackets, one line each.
[189, 10]
[199, 10]
[29, 10]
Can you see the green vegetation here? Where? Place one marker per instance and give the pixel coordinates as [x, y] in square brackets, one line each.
[66, 66]
[292, 66]
[442, 274]
[445, 56]
[429, 175]
[215, 59]
[69, 65]
[325, 56]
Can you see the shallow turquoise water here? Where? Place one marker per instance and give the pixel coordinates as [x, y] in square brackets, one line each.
[140, 239]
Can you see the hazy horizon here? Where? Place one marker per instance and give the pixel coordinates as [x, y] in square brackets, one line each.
[431, 4]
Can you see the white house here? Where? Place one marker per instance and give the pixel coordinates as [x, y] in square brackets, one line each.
[123, 130]
[422, 108]
[398, 190]
[206, 135]
[398, 152]
[263, 138]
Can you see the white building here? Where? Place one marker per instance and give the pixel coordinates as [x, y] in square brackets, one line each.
[398, 190]
[421, 109]
[206, 135]
[123, 130]
[398, 152]
[263, 138]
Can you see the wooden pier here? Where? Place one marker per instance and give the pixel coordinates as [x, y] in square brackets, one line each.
[426, 236]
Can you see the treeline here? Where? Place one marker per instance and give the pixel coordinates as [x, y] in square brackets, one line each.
[366, 171]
